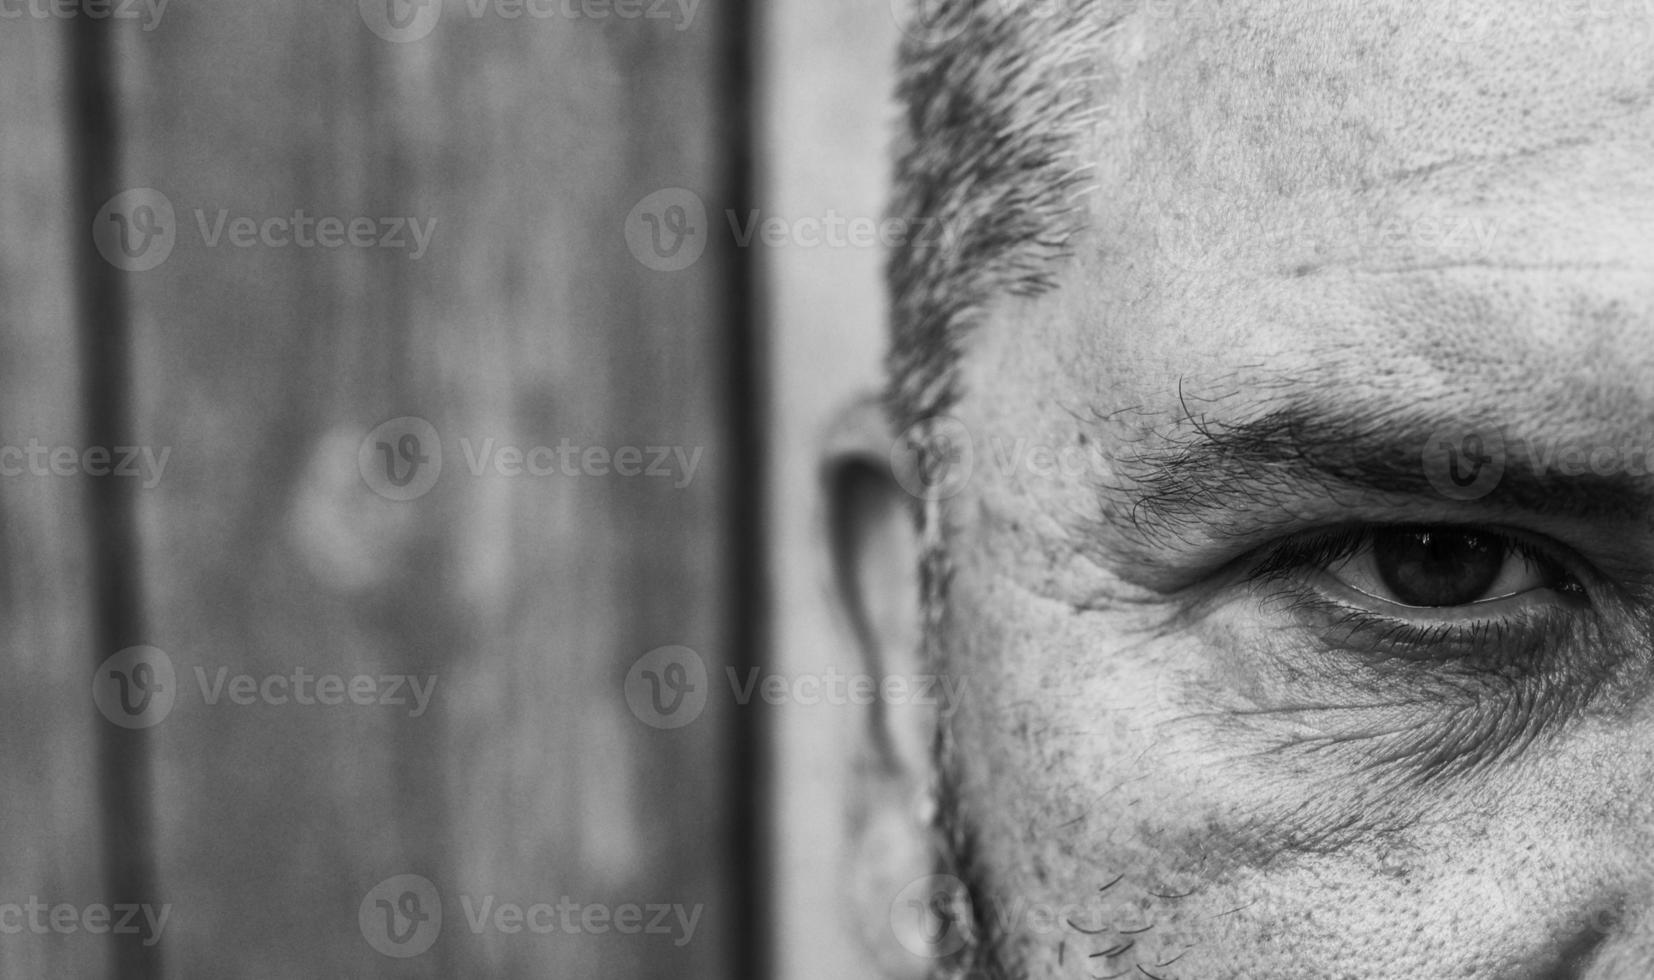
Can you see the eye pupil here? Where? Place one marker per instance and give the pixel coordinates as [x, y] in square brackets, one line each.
[1438, 568]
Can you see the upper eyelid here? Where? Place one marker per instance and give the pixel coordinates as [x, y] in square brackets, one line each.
[1298, 549]
[1356, 535]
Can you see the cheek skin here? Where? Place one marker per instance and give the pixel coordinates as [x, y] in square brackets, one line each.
[1072, 782]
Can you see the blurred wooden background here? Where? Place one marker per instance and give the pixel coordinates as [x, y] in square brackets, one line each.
[529, 320]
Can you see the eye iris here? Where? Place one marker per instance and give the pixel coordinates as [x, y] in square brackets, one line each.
[1438, 568]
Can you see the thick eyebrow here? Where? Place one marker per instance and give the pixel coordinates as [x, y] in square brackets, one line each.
[1210, 473]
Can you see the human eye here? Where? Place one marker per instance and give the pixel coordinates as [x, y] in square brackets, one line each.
[1460, 594]
[1428, 646]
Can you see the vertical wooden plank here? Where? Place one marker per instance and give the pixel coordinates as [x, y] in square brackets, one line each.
[526, 321]
[131, 687]
[49, 804]
[828, 81]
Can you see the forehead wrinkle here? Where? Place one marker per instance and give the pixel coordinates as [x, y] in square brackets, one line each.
[1299, 271]
[1569, 341]
[1474, 159]
[1270, 99]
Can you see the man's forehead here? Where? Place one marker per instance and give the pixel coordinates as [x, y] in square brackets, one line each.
[1384, 134]
[1425, 198]
[1299, 93]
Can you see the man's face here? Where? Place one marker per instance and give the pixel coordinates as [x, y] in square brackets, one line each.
[1305, 577]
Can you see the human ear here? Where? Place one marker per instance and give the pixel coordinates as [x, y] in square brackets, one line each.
[875, 551]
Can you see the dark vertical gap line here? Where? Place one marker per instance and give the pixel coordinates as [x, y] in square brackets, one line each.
[124, 777]
[746, 519]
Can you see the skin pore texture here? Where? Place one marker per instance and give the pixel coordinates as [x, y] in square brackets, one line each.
[1319, 233]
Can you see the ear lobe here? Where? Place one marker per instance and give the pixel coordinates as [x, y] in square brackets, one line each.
[876, 552]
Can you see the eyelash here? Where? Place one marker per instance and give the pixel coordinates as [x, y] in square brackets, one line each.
[1326, 547]
[1515, 640]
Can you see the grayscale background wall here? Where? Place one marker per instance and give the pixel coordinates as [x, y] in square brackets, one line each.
[392, 409]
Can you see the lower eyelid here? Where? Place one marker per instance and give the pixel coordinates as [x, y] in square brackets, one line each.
[1520, 638]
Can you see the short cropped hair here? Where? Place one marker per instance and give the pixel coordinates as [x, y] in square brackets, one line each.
[999, 100]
